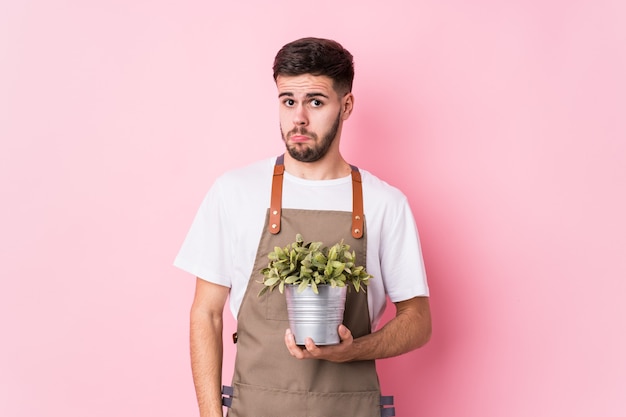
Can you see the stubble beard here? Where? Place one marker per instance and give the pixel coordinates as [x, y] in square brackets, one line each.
[308, 153]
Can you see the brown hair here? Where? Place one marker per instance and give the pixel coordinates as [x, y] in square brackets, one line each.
[317, 57]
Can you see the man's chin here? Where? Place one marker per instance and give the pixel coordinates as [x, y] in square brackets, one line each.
[303, 155]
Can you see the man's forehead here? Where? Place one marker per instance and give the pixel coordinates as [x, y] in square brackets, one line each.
[305, 83]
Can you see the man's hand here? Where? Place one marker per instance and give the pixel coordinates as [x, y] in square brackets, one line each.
[341, 352]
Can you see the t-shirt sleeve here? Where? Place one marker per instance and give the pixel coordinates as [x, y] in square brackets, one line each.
[203, 252]
[401, 260]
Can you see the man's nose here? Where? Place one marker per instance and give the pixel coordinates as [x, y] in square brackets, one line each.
[300, 117]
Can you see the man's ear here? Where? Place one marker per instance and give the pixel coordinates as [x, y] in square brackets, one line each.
[347, 105]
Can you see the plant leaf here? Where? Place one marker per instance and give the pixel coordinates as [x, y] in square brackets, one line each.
[271, 281]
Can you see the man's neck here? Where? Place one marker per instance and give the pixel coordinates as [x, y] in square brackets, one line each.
[327, 168]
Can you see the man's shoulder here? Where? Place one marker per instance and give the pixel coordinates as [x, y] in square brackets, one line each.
[380, 188]
[251, 173]
[243, 189]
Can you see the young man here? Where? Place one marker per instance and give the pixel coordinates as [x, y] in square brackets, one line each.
[313, 191]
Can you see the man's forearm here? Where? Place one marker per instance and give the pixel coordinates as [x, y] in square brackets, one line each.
[408, 330]
[206, 362]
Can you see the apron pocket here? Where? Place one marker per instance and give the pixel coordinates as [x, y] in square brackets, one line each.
[255, 401]
[275, 306]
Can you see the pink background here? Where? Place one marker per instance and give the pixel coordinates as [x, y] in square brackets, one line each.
[503, 122]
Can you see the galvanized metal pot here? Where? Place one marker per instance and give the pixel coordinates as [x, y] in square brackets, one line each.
[316, 315]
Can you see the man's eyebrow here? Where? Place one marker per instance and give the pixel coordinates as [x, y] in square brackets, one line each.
[309, 95]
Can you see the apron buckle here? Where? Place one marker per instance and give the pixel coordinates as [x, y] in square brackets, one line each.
[387, 400]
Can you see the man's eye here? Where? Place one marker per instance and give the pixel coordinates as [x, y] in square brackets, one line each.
[289, 102]
[316, 103]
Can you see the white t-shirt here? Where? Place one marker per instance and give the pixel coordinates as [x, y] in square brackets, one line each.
[222, 242]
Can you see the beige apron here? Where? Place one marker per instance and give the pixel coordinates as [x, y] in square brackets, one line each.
[268, 381]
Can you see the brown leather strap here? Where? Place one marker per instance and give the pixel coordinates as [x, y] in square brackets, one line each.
[357, 204]
[276, 200]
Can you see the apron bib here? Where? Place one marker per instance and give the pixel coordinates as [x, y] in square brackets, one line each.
[268, 381]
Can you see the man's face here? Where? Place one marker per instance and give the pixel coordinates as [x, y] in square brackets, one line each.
[311, 113]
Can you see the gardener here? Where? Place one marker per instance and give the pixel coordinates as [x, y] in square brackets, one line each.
[310, 190]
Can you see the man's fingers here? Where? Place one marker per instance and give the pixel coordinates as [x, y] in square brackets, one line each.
[344, 333]
[294, 349]
[311, 346]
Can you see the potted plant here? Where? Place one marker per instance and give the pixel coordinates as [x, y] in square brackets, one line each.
[315, 279]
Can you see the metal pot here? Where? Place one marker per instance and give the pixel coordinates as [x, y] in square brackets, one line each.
[316, 315]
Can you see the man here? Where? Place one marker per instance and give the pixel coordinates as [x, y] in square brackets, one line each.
[313, 191]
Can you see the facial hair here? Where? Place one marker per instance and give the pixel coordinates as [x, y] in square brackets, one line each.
[307, 153]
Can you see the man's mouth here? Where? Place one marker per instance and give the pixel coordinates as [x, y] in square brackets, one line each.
[299, 138]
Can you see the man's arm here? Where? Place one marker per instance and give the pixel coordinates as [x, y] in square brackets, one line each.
[408, 330]
[206, 324]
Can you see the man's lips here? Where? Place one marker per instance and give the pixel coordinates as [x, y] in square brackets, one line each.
[299, 138]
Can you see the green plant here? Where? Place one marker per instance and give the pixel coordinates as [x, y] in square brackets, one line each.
[305, 264]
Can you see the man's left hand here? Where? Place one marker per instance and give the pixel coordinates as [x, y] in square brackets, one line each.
[333, 353]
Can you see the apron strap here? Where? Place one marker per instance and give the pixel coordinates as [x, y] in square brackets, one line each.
[357, 204]
[276, 200]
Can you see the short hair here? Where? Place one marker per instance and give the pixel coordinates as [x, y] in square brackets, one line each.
[316, 56]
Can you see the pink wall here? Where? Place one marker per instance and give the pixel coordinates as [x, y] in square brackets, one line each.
[502, 121]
